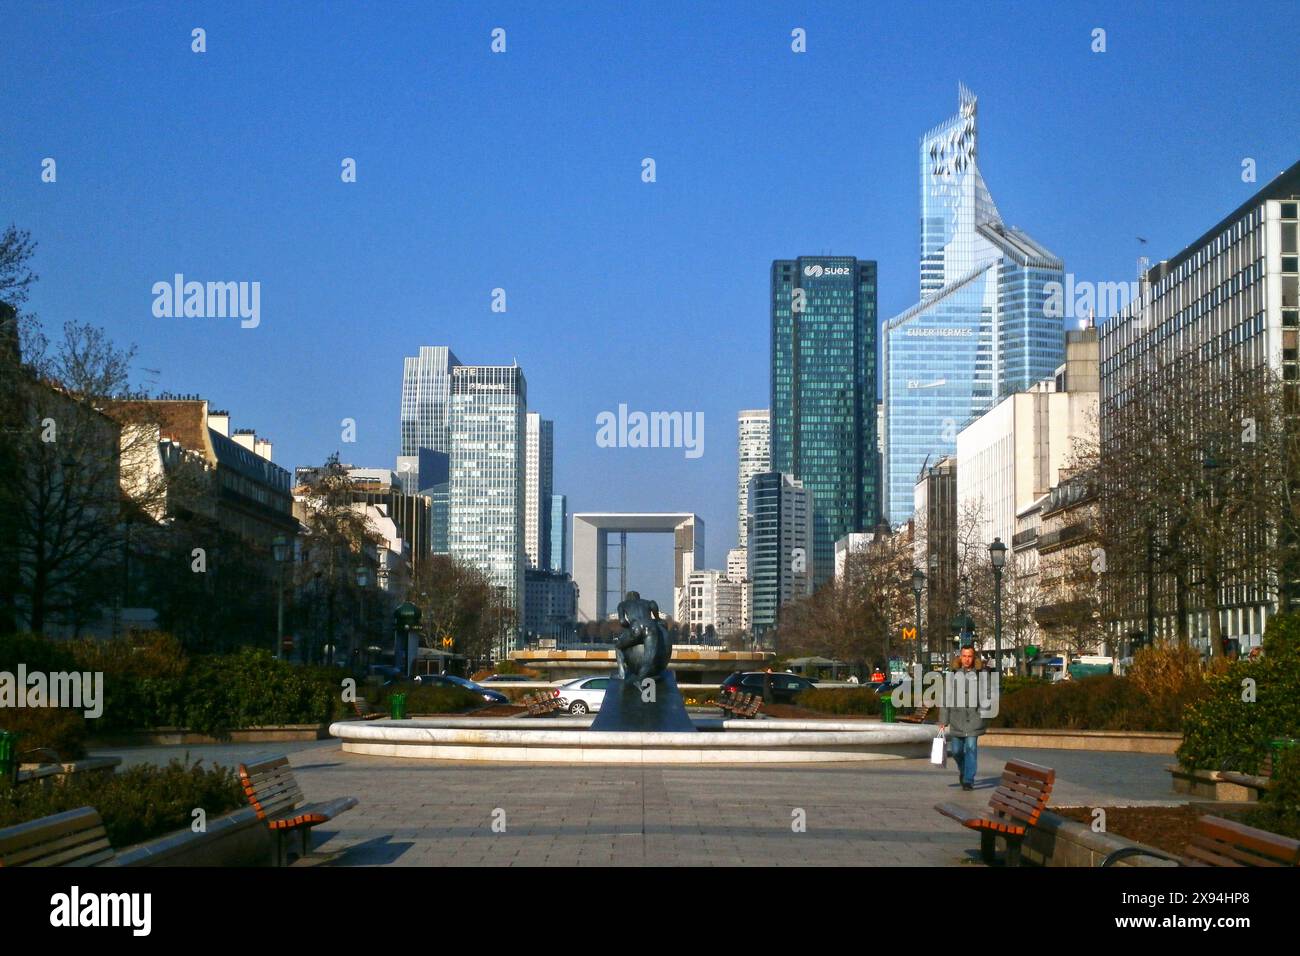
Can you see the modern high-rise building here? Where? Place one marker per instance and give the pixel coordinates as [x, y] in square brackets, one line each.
[1014, 453]
[981, 329]
[1223, 312]
[559, 533]
[823, 392]
[714, 603]
[426, 392]
[486, 502]
[539, 459]
[780, 556]
[754, 456]
[738, 573]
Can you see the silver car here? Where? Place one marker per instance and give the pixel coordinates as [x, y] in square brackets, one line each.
[583, 695]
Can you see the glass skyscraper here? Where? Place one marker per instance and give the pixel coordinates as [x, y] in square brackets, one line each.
[980, 330]
[539, 466]
[426, 390]
[779, 509]
[823, 393]
[486, 507]
[559, 532]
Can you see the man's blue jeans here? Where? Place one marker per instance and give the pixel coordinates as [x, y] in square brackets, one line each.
[965, 751]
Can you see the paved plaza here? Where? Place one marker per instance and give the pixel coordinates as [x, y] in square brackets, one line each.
[434, 813]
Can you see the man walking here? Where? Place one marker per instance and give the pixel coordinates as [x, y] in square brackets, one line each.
[963, 724]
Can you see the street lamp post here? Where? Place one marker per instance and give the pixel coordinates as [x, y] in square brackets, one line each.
[998, 558]
[918, 585]
[280, 551]
[363, 582]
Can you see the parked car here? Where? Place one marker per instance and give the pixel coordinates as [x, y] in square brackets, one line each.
[448, 680]
[505, 679]
[584, 694]
[784, 686]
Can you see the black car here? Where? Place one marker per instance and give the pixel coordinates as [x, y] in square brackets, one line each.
[784, 686]
[448, 680]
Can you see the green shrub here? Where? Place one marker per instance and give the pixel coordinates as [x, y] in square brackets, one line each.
[839, 700]
[136, 804]
[1100, 702]
[1221, 731]
[251, 689]
[55, 728]
[1279, 808]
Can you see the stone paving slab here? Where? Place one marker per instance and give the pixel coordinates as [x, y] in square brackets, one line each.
[436, 813]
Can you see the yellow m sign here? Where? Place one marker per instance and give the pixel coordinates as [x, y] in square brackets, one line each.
[909, 633]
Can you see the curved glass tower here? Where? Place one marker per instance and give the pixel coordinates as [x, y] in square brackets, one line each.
[980, 330]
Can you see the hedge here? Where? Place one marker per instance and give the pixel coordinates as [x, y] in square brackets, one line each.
[136, 804]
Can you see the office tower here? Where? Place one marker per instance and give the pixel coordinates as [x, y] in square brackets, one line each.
[980, 330]
[781, 562]
[714, 607]
[1219, 318]
[755, 455]
[486, 502]
[538, 472]
[559, 533]
[1013, 454]
[433, 474]
[823, 390]
[426, 390]
[550, 605]
[738, 573]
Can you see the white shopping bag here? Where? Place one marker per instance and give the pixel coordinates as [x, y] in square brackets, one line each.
[939, 752]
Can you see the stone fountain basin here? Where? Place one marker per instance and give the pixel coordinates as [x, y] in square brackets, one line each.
[569, 740]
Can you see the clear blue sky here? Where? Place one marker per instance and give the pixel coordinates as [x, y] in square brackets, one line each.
[522, 171]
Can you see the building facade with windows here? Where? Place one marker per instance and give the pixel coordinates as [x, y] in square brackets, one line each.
[1223, 310]
[425, 410]
[823, 392]
[754, 455]
[488, 407]
[981, 329]
[780, 556]
[539, 466]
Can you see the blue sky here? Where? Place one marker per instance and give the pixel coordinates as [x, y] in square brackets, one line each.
[522, 171]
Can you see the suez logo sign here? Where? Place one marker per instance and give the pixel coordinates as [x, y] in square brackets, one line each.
[816, 271]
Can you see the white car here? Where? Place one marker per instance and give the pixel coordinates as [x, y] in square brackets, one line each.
[584, 694]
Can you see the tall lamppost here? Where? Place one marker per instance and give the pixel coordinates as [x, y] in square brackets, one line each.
[280, 551]
[918, 585]
[363, 582]
[998, 558]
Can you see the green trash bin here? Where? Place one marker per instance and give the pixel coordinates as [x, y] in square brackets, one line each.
[887, 708]
[1280, 744]
[397, 706]
[8, 757]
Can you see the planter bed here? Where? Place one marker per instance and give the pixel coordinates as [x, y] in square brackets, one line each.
[177, 736]
[233, 839]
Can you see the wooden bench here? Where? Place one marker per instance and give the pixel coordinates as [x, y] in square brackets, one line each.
[916, 717]
[273, 791]
[1257, 783]
[366, 710]
[730, 703]
[541, 704]
[1015, 806]
[71, 838]
[1220, 842]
